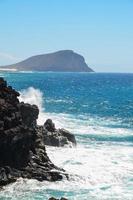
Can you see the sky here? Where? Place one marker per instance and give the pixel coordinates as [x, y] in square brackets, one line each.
[100, 30]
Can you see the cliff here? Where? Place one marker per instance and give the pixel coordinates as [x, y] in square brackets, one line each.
[60, 61]
[22, 148]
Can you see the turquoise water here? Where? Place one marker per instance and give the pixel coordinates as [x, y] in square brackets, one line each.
[98, 109]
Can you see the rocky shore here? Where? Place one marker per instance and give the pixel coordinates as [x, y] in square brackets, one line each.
[22, 141]
[55, 137]
[62, 198]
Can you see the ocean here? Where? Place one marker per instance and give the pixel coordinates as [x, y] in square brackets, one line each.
[98, 109]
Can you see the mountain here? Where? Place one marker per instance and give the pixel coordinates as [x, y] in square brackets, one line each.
[63, 61]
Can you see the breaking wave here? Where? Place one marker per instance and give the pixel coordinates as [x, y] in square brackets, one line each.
[85, 127]
[100, 167]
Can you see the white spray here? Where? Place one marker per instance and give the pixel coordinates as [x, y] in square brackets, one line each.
[34, 97]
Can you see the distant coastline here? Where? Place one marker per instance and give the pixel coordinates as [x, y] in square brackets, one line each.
[60, 61]
[7, 69]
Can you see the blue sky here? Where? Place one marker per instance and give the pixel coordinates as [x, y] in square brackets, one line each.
[100, 30]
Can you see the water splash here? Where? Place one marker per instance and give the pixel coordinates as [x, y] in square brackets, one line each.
[34, 96]
[100, 167]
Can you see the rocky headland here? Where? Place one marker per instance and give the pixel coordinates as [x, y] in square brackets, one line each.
[60, 61]
[22, 141]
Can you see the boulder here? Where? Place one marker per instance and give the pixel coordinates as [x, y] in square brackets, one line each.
[49, 125]
[62, 198]
[56, 137]
[66, 134]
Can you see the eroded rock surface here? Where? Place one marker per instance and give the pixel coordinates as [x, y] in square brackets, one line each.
[53, 198]
[22, 149]
[56, 137]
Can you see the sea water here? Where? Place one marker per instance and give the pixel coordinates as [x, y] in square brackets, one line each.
[98, 109]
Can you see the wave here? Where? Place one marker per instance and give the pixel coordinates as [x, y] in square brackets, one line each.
[2, 75]
[25, 72]
[59, 101]
[34, 97]
[106, 138]
[98, 129]
[95, 173]
[96, 166]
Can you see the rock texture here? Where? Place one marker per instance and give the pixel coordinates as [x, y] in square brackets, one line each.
[56, 137]
[22, 149]
[62, 198]
[63, 61]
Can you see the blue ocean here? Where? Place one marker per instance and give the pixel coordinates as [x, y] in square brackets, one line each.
[98, 109]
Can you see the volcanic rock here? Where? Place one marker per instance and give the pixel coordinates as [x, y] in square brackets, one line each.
[62, 198]
[22, 149]
[56, 137]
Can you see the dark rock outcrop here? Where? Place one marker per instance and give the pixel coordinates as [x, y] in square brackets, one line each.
[29, 114]
[56, 137]
[22, 149]
[61, 61]
[49, 125]
[62, 198]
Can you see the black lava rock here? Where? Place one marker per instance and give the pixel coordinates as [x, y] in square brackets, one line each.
[55, 137]
[22, 148]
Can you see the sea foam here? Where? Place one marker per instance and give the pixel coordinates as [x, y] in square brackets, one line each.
[100, 167]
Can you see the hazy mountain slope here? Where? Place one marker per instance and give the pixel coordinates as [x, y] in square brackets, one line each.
[65, 61]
